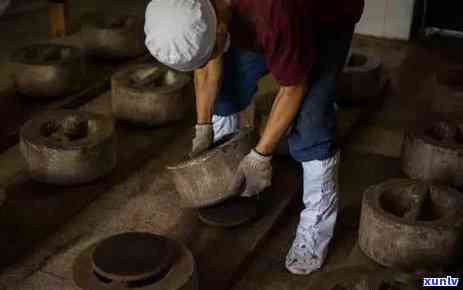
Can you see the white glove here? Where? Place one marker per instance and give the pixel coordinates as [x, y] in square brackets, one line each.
[255, 172]
[204, 137]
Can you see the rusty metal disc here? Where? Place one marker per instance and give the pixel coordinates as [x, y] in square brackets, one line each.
[132, 257]
[231, 213]
[179, 275]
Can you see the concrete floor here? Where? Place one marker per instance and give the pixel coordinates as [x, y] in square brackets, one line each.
[371, 155]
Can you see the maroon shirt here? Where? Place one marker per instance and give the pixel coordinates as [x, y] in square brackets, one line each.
[284, 31]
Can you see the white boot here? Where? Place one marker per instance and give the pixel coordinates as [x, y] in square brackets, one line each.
[224, 125]
[318, 219]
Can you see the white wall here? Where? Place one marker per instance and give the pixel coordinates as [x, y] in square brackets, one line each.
[387, 18]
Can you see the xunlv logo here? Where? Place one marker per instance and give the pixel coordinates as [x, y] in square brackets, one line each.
[440, 282]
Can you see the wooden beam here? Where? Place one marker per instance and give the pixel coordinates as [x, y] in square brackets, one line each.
[59, 18]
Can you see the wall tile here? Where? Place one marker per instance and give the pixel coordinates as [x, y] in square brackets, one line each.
[387, 18]
[399, 16]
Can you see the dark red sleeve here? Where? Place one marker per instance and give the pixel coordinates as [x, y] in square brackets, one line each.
[288, 46]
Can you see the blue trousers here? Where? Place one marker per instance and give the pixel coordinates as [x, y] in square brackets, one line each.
[313, 133]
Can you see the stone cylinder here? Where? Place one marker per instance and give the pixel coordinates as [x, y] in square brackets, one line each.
[361, 79]
[408, 224]
[48, 71]
[150, 94]
[69, 147]
[204, 180]
[114, 37]
[434, 152]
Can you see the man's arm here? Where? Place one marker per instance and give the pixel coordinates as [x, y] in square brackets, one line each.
[207, 84]
[284, 110]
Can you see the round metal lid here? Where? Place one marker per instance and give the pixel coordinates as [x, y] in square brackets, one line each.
[132, 257]
[231, 213]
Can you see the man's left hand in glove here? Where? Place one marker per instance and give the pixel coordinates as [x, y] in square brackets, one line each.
[254, 173]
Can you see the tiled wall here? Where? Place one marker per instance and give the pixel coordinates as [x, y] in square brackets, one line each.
[387, 18]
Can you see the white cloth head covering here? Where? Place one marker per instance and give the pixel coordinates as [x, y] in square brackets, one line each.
[181, 33]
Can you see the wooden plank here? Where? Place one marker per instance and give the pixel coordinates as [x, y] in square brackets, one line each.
[59, 18]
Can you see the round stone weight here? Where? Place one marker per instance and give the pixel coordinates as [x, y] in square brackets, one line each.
[434, 152]
[150, 94]
[114, 36]
[361, 79]
[409, 224]
[68, 147]
[204, 180]
[47, 71]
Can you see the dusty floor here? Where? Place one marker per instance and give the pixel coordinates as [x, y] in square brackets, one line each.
[371, 155]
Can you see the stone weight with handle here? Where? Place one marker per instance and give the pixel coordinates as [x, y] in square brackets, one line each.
[410, 225]
[204, 180]
[434, 152]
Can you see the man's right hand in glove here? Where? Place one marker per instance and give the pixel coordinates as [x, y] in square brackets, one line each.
[204, 137]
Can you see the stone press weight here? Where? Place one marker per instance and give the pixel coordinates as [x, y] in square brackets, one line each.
[69, 147]
[202, 182]
[114, 37]
[48, 71]
[150, 94]
[410, 224]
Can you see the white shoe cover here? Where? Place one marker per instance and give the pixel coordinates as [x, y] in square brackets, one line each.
[224, 125]
[318, 219]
